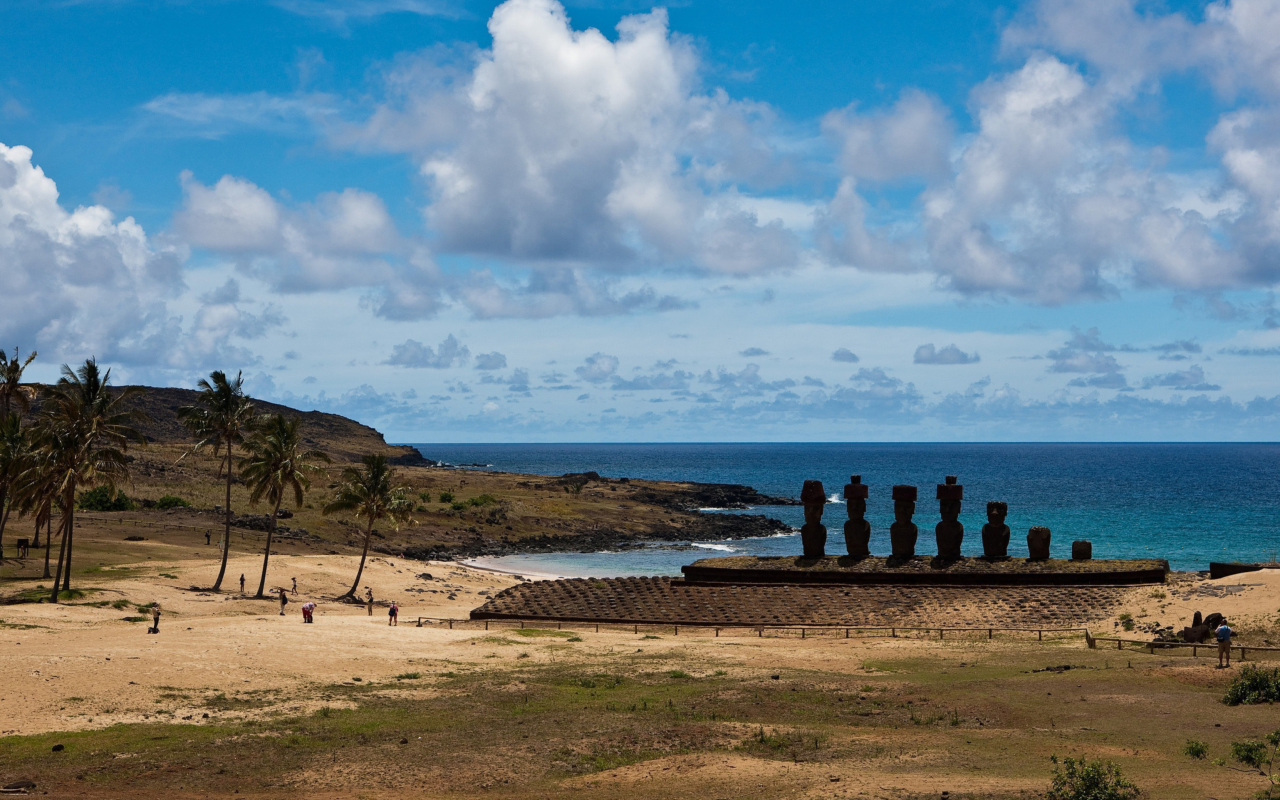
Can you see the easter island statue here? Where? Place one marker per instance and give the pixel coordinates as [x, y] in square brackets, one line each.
[949, 531]
[857, 531]
[903, 533]
[1038, 543]
[813, 536]
[995, 534]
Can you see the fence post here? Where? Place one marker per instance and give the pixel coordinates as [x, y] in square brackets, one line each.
[760, 631]
[1119, 644]
[597, 627]
[990, 633]
[1194, 650]
[486, 624]
[846, 633]
[717, 633]
[893, 632]
[1242, 654]
[939, 634]
[450, 624]
[1040, 636]
[675, 628]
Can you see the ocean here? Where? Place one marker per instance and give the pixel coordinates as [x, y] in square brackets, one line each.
[1188, 503]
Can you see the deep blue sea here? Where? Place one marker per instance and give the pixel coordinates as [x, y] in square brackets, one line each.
[1188, 503]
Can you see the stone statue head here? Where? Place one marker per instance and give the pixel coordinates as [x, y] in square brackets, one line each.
[996, 512]
[855, 495]
[950, 509]
[903, 510]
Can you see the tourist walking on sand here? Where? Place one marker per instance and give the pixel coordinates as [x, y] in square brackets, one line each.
[308, 610]
[295, 585]
[155, 618]
[393, 614]
[1223, 634]
[284, 599]
[368, 599]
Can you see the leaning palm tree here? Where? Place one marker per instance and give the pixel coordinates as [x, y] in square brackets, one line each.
[15, 448]
[84, 430]
[368, 493]
[35, 493]
[220, 419]
[11, 393]
[276, 466]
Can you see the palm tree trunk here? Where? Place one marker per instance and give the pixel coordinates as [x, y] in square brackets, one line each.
[49, 543]
[4, 515]
[266, 555]
[368, 534]
[62, 552]
[71, 541]
[226, 535]
[36, 541]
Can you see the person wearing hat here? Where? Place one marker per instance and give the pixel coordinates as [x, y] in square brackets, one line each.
[857, 531]
[903, 532]
[1223, 634]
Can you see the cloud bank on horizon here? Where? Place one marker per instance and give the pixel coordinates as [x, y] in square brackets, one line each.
[635, 245]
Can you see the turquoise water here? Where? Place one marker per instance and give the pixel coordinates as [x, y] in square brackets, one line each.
[1189, 503]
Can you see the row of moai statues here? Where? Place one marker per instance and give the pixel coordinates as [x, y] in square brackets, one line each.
[903, 533]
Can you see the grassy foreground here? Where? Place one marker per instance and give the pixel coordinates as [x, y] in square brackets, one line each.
[551, 714]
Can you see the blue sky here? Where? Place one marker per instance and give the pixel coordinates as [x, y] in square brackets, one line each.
[1057, 220]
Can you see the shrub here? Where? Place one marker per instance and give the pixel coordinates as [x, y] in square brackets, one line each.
[424, 497]
[1264, 756]
[100, 499]
[446, 497]
[1196, 749]
[1254, 684]
[483, 500]
[457, 506]
[170, 501]
[1080, 779]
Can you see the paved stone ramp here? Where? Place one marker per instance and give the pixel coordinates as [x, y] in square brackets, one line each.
[668, 600]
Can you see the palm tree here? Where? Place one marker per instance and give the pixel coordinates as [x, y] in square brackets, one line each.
[15, 449]
[221, 418]
[84, 430]
[369, 493]
[277, 465]
[35, 491]
[11, 393]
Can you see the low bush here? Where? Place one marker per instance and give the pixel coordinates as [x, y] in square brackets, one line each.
[170, 501]
[1080, 779]
[457, 506]
[446, 497]
[424, 497]
[1196, 749]
[1254, 684]
[100, 499]
[1264, 756]
[482, 500]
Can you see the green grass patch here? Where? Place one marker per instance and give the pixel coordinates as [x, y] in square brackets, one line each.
[535, 633]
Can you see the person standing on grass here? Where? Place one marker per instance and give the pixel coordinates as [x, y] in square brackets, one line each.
[393, 614]
[1223, 634]
[368, 599]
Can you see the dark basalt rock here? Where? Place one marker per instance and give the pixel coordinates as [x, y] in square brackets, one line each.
[857, 531]
[1081, 550]
[995, 534]
[949, 532]
[1038, 543]
[903, 533]
[813, 535]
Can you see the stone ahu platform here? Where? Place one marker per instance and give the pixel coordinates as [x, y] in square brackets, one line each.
[673, 601]
[924, 571]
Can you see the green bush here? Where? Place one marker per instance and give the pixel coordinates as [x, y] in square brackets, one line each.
[1254, 684]
[446, 497]
[100, 499]
[1080, 779]
[170, 501]
[1264, 756]
[424, 497]
[1196, 749]
[483, 500]
[458, 506]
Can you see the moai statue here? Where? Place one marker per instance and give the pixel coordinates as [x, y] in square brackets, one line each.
[949, 531]
[995, 534]
[813, 536]
[1038, 543]
[1081, 550]
[903, 533]
[857, 531]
